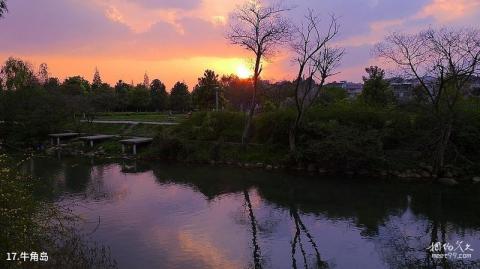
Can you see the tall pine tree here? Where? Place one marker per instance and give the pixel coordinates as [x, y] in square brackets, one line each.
[97, 80]
[146, 81]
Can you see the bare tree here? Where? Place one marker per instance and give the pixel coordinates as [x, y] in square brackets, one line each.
[259, 29]
[443, 62]
[316, 59]
[3, 8]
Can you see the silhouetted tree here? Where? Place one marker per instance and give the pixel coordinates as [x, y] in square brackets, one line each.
[204, 93]
[3, 8]
[97, 80]
[52, 85]
[180, 99]
[16, 74]
[146, 81]
[76, 85]
[237, 92]
[76, 90]
[158, 95]
[259, 28]
[376, 90]
[443, 62]
[103, 98]
[138, 98]
[316, 59]
[43, 74]
[121, 94]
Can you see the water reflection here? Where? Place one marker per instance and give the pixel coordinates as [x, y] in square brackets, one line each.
[178, 216]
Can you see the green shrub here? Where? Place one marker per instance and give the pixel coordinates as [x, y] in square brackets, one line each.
[273, 127]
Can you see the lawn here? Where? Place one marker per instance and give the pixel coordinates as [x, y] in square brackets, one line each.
[141, 116]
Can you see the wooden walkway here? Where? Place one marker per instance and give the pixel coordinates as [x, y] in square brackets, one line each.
[131, 122]
[134, 142]
[96, 138]
[59, 136]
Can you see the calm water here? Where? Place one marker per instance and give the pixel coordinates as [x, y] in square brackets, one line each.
[180, 216]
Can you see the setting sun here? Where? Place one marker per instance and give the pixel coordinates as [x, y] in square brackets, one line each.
[243, 71]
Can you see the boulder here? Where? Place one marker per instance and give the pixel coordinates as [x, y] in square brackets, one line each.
[259, 165]
[476, 179]
[448, 181]
[322, 171]
[269, 167]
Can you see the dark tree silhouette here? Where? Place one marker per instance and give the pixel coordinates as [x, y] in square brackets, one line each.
[443, 62]
[3, 8]
[158, 95]
[376, 90]
[204, 93]
[180, 99]
[259, 28]
[316, 59]
[97, 80]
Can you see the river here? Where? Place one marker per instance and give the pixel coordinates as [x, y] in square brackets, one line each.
[163, 215]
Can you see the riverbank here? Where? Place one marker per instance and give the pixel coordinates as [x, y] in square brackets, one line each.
[255, 157]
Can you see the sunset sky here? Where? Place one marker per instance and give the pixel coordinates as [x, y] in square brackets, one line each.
[178, 39]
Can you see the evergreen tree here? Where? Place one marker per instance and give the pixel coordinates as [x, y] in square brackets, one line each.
[97, 80]
[376, 90]
[158, 95]
[204, 94]
[121, 94]
[180, 97]
[146, 81]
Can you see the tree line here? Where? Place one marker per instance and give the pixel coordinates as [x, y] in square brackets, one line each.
[443, 62]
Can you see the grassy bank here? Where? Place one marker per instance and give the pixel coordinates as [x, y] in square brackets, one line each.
[141, 116]
[346, 137]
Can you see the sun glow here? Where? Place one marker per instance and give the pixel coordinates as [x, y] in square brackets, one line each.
[243, 71]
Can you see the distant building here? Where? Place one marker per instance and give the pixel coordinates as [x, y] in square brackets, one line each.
[404, 89]
[353, 89]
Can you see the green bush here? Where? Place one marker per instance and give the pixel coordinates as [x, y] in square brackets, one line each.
[273, 127]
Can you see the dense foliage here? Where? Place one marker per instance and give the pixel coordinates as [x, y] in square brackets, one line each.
[338, 132]
[30, 222]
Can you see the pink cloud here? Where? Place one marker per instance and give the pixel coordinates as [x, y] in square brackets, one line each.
[449, 10]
